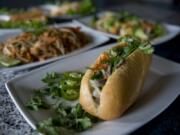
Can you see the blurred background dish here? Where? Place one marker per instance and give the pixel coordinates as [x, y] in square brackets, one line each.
[69, 9]
[56, 10]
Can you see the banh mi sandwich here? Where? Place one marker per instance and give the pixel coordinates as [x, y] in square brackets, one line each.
[112, 84]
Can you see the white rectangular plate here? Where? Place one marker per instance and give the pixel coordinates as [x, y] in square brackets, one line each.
[172, 30]
[96, 39]
[160, 90]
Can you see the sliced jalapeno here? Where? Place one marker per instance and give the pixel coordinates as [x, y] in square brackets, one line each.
[70, 85]
[65, 86]
[72, 76]
[70, 94]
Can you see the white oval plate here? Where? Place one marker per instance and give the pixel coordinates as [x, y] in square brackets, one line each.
[160, 90]
[171, 30]
[97, 39]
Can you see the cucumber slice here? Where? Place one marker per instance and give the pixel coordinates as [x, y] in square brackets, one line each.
[7, 61]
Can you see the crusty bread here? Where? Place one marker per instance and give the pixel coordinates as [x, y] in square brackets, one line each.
[121, 89]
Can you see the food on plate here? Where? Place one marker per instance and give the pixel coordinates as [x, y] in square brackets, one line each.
[65, 86]
[81, 7]
[113, 83]
[125, 23]
[22, 19]
[42, 44]
[104, 91]
[63, 91]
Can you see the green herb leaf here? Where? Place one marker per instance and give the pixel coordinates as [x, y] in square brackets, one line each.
[83, 123]
[37, 103]
[72, 118]
[52, 78]
[48, 128]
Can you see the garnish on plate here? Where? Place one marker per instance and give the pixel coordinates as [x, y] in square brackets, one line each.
[66, 116]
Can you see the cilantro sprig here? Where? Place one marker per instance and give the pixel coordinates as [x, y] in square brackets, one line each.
[37, 101]
[73, 118]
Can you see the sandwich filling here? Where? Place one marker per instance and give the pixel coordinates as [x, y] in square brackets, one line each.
[111, 60]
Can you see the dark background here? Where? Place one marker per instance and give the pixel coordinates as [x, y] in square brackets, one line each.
[99, 3]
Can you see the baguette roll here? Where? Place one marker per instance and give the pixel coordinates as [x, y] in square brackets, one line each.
[121, 87]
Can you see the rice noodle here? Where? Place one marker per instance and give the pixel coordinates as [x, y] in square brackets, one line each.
[29, 47]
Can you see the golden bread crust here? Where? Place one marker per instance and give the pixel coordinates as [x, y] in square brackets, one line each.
[120, 90]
